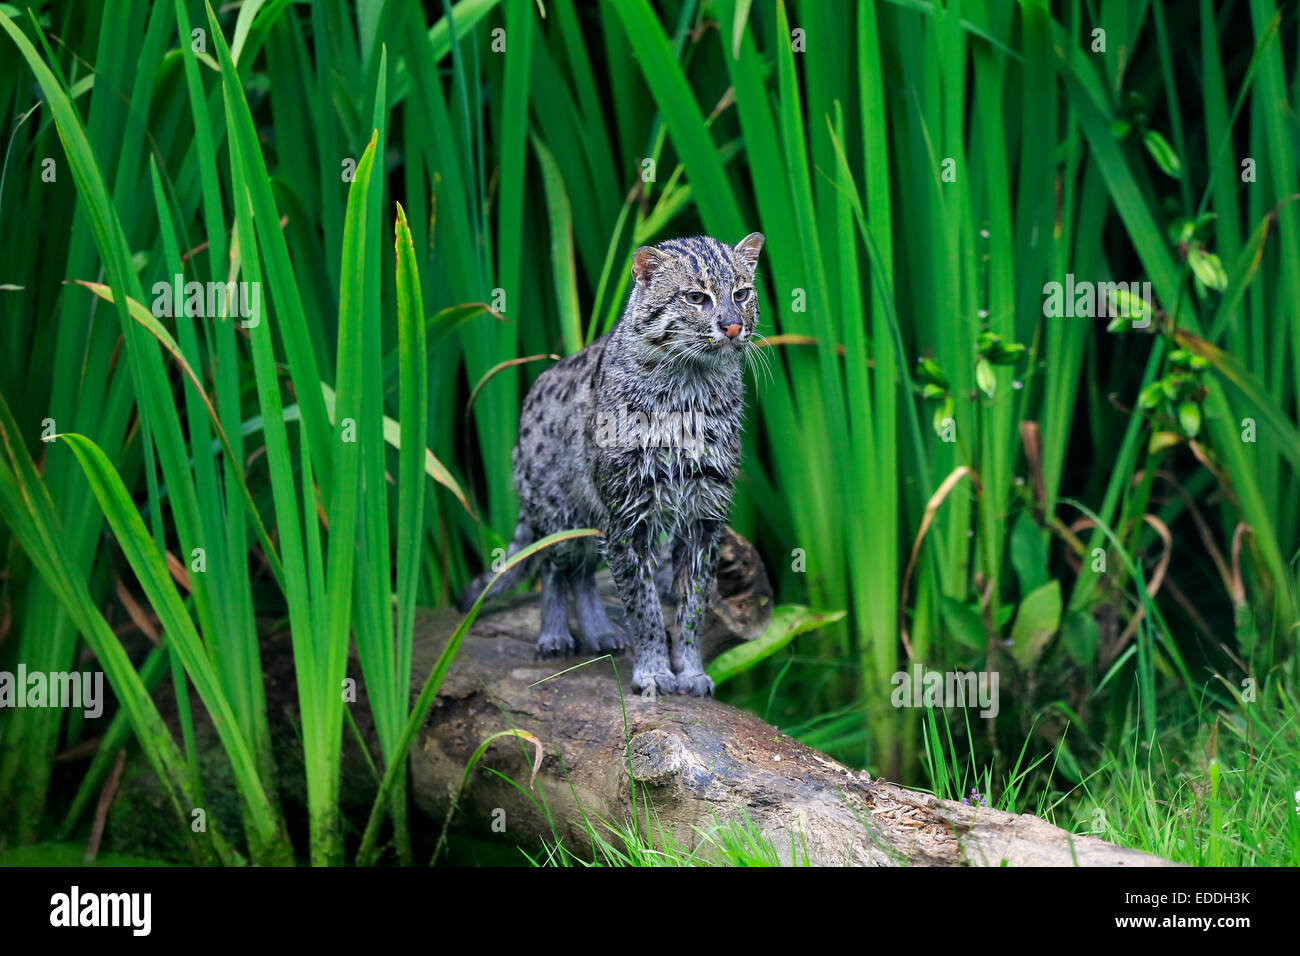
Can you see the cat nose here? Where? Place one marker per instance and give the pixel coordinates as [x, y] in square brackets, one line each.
[732, 329]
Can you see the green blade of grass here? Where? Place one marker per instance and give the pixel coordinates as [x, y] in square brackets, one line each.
[566, 281]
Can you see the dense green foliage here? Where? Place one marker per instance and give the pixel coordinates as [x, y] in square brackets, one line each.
[430, 202]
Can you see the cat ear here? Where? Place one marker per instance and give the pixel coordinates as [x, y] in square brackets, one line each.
[747, 250]
[646, 263]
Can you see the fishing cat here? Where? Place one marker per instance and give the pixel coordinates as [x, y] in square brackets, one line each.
[638, 435]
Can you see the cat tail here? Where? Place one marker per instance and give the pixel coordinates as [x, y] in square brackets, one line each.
[508, 581]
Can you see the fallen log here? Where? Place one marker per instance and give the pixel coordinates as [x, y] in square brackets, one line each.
[692, 762]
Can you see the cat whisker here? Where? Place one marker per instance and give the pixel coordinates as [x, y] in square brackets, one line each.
[757, 360]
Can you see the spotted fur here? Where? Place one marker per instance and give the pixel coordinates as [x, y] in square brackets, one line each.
[678, 351]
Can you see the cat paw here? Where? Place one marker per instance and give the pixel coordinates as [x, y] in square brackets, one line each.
[697, 684]
[653, 684]
[555, 644]
[611, 642]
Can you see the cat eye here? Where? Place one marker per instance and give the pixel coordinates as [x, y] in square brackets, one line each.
[696, 297]
[741, 296]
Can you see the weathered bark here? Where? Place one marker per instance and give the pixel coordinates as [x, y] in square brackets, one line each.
[691, 760]
[694, 762]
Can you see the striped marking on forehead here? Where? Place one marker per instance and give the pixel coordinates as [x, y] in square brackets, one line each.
[704, 255]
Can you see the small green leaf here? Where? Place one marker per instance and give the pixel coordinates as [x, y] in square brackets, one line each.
[1028, 553]
[928, 371]
[1007, 354]
[963, 622]
[1079, 634]
[1036, 621]
[788, 621]
[933, 391]
[1151, 395]
[1125, 307]
[985, 378]
[1207, 267]
[1189, 418]
[1163, 154]
[1181, 230]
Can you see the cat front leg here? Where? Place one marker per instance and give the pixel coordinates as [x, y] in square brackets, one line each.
[631, 561]
[695, 562]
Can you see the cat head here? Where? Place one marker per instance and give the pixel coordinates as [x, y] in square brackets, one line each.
[694, 298]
